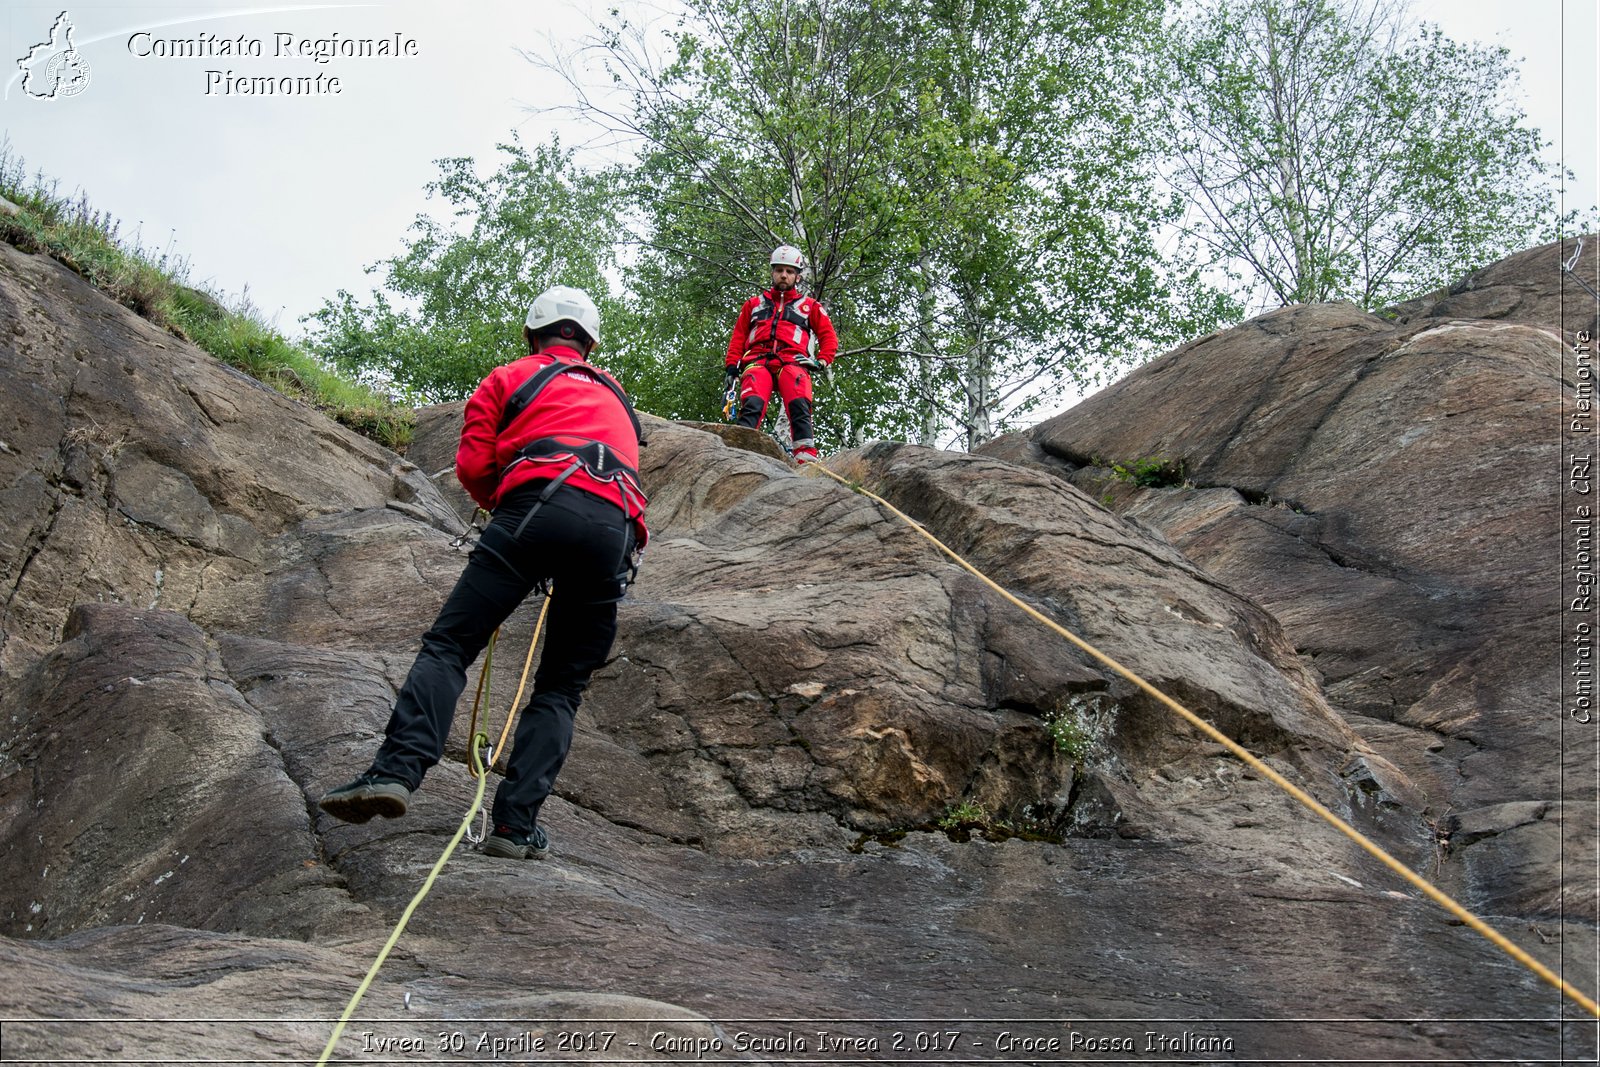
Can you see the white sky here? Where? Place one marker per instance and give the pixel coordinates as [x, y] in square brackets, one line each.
[293, 196]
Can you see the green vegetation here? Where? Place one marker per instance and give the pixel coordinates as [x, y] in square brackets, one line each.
[453, 302]
[996, 199]
[1077, 727]
[1069, 736]
[970, 185]
[961, 814]
[1335, 150]
[88, 241]
[1151, 472]
[985, 192]
[961, 821]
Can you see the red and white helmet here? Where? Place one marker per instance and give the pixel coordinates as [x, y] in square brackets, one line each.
[788, 256]
[563, 303]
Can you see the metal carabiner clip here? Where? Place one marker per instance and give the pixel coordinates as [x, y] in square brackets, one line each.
[472, 527]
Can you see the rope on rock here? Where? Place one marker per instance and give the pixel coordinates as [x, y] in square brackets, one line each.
[1434, 893]
[480, 770]
[479, 740]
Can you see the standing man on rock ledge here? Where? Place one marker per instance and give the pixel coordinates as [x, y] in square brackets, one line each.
[550, 445]
[772, 347]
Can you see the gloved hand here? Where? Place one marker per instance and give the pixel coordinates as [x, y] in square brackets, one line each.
[811, 364]
[730, 374]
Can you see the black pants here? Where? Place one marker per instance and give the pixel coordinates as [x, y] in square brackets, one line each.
[582, 544]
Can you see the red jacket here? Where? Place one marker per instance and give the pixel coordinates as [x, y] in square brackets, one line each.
[781, 324]
[575, 407]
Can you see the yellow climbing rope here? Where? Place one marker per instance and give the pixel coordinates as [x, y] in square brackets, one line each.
[480, 771]
[479, 698]
[478, 740]
[1434, 893]
[511, 713]
[522, 683]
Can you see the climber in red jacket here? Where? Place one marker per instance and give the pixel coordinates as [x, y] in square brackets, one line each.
[781, 338]
[550, 445]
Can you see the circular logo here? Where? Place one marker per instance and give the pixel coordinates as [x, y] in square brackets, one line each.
[67, 73]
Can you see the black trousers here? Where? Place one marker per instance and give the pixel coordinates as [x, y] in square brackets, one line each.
[581, 544]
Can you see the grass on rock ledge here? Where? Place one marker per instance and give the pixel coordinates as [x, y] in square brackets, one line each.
[87, 241]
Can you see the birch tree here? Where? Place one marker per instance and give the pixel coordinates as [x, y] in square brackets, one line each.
[754, 123]
[1034, 125]
[968, 178]
[1329, 150]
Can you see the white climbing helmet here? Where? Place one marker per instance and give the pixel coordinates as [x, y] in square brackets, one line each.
[563, 303]
[788, 256]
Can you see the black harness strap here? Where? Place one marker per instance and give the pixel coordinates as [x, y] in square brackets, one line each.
[530, 389]
[600, 461]
[766, 309]
[544, 498]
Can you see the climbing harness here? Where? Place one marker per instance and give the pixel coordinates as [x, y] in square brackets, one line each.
[482, 758]
[599, 460]
[784, 322]
[529, 390]
[1437, 895]
[595, 457]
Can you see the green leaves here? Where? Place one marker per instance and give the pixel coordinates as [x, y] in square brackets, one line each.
[973, 183]
[1330, 152]
[969, 179]
[454, 299]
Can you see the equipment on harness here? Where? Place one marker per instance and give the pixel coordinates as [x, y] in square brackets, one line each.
[776, 326]
[471, 528]
[730, 395]
[1567, 268]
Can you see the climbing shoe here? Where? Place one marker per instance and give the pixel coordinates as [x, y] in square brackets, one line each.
[371, 794]
[515, 846]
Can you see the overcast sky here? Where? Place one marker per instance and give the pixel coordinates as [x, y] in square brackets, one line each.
[293, 196]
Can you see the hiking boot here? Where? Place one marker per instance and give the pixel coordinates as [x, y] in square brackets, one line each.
[515, 846]
[371, 794]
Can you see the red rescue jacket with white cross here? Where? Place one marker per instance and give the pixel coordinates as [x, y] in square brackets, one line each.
[780, 324]
[576, 424]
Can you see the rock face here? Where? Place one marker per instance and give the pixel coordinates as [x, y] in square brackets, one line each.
[1391, 493]
[1543, 286]
[213, 594]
